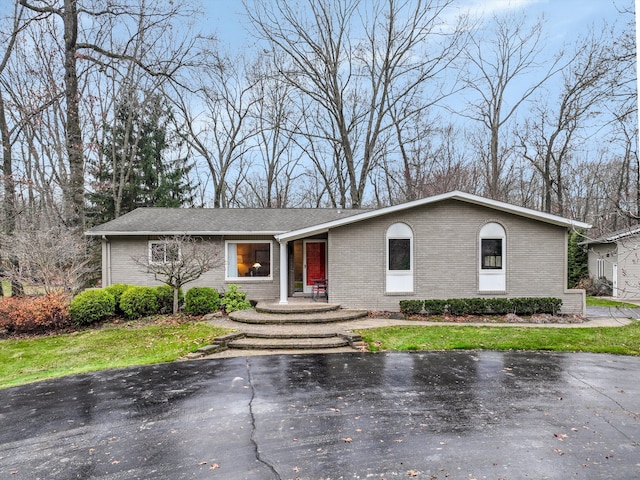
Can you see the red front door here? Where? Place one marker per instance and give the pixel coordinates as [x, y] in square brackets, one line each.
[316, 261]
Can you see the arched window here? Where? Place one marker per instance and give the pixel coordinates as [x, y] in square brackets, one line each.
[492, 265]
[399, 266]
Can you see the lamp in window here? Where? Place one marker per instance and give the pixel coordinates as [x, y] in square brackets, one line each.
[254, 269]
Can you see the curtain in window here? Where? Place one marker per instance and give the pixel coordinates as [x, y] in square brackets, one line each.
[232, 262]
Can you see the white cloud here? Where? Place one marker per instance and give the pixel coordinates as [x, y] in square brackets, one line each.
[480, 8]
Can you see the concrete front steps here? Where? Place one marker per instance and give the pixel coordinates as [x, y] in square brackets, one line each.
[267, 313]
[303, 326]
[253, 341]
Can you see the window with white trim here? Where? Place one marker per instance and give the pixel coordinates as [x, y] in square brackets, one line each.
[492, 252]
[399, 239]
[248, 259]
[600, 267]
[161, 251]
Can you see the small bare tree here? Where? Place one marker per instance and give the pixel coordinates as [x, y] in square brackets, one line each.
[52, 259]
[176, 261]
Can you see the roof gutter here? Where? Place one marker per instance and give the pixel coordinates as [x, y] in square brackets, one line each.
[207, 233]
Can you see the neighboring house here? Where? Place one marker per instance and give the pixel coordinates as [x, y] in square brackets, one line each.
[453, 245]
[616, 258]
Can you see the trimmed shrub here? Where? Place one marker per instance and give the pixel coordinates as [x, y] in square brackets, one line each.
[201, 300]
[234, 300]
[499, 306]
[38, 314]
[411, 307]
[435, 307]
[164, 295]
[137, 302]
[457, 307]
[92, 306]
[548, 305]
[523, 306]
[117, 289]
[490, 306]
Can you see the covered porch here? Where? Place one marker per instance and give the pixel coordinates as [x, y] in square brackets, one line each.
[304, 269]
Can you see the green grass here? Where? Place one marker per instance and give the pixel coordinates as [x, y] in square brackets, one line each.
[28, 360]
[605, 302]
[618, 340]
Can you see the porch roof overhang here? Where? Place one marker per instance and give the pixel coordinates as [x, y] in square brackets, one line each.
[454, 195]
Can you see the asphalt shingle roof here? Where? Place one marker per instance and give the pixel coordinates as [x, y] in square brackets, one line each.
[216, 221]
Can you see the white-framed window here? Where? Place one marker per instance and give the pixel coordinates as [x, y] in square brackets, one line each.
[492, 251]
[600, 267]
[248, 260]
[161, 251]
[399, 264]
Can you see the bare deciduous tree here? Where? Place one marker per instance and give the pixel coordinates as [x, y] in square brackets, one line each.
[53, 259]
[218, 121]
[177, 261]
[552, 130]
[351, 63]
[496, 64]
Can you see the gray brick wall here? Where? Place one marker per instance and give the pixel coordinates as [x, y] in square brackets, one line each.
[124, 270]
[446, 257]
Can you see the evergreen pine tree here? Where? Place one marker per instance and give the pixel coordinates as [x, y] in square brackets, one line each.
[135, 168]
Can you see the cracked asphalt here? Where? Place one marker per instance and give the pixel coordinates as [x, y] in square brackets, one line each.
[433, 415]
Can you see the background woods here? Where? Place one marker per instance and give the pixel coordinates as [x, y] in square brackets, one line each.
[110, 105]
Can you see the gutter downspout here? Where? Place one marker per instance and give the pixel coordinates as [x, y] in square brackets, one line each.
[106, 261]
[284, 273]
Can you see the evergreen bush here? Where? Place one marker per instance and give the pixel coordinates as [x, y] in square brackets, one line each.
[92, 306]
[137, 302]
[117, 290]
[484, 306]
[164, 294]
[435, 307]
[411, 307]
[201, 300]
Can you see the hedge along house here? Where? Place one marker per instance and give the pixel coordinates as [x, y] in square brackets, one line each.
[454, 245]
[616, 258]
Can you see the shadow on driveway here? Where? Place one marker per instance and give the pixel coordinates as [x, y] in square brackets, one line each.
[434, 415]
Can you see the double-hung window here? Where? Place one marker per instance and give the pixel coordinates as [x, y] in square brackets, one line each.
[248, 259]
[161, 251]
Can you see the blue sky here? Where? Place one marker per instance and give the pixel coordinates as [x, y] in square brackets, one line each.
[565, 19]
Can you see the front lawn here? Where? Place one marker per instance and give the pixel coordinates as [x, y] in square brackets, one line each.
[619, 340]
[115, 346]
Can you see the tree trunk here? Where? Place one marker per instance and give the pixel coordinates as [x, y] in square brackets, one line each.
[74, 190]
[10, 212]
[176, 299]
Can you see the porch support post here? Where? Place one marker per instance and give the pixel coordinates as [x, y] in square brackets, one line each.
[284, 273]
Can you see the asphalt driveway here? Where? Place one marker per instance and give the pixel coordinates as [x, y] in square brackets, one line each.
[454, 415]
